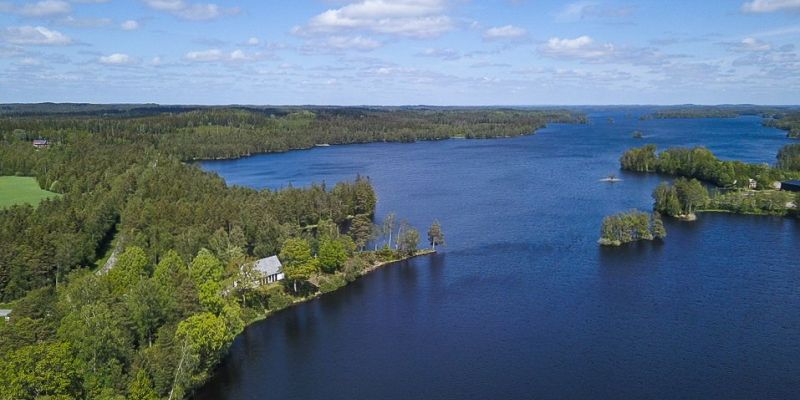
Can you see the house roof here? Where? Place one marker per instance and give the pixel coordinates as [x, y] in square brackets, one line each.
[268, 266]
[40, 141]
[4, 313]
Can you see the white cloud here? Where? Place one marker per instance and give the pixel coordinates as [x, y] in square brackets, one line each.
[217, 55]
[444, 54]
[410, 18]
[45, 8]
[592, 10]
[352, 42]
[504, 32]
[129, 25]
[191, 11]
[582, 47]
[34, 35]
[84, 22]
[752, 44]
[117, 59]
[205, 55]
[253, 41]
[765, 6]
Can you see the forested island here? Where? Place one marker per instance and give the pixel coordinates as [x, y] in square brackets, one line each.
[631, 226]
[154, 322]
[740, 187]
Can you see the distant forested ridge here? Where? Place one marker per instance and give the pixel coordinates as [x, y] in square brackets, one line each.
[721, 111]
[212, 133]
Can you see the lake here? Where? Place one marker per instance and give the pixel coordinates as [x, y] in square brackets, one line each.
[522, 303]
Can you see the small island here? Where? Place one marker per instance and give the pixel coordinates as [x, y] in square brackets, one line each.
[631, 226]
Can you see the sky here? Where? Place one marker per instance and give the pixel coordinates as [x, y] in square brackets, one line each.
[400, 52]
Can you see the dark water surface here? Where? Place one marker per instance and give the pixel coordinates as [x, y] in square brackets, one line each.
[522, 303]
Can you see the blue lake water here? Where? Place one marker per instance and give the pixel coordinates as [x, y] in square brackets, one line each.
[522, 303]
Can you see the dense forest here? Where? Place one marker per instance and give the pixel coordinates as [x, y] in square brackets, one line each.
[181, 287]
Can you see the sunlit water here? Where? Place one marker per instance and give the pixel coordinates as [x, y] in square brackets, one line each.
[522, 303]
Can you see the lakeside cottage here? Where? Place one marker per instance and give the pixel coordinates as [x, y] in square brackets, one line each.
[40, 143]
[270, 269]
[791, 186]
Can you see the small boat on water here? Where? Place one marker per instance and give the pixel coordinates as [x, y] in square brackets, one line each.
[322, 145]
[611, 178]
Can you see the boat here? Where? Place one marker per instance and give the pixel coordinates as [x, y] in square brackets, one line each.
[611, 178]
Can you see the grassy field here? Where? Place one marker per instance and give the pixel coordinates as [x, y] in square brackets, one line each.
[21, 189]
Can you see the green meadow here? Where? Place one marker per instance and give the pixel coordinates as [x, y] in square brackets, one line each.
[20, 190]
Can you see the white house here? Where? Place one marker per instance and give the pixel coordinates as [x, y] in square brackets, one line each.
[270, 269]
[5, 314]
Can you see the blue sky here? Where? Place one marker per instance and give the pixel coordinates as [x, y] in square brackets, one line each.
[395, 52]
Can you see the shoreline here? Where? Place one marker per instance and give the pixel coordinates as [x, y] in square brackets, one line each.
[366, 271]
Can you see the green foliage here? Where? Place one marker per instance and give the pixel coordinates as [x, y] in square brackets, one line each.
[206, 268]
[658, 229]
[681, 198]
[330, 283]
[205, 334]
[789, 156]
[97, 336]
[148, 308]
[130, 268]
[141, 387]
[435, 234]
[630, 226]
[332, 254]
[764, 202]
[641, 159]
[361, 230]
[353, 268]
[45, 370]
[408, 240]
[298, 265]
[210, 294]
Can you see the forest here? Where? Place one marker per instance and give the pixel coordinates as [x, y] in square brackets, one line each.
[159, 320]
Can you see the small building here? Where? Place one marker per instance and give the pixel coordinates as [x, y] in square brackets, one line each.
[5, 314]
[270, 269]
[791, 186]
[752, 184]
[40, 143]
